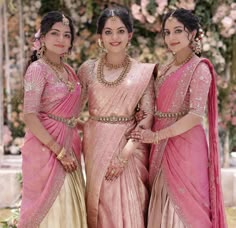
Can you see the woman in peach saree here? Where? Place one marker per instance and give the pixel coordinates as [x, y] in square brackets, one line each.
[184, 170]
[116, 168]
[53, 186]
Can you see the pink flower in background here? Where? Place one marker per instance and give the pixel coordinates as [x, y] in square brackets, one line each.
[161, 6]
[36, 45]
[227, 22]
[186, 4]
[137, 14]
[234, 121]
[146, 14]
[6, 135]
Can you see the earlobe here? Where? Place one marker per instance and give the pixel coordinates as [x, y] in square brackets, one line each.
[130, 35]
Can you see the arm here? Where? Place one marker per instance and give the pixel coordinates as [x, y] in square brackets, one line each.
[199, 88]
[83, 75]
[147, 105]
[118, 164]
[34, 84]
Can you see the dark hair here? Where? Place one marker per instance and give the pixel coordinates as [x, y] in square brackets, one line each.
[186, 17]
[46, 24]
[118, 11]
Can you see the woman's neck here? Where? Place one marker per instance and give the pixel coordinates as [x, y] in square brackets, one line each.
[182, 56]
[54, 58]
[115, 58]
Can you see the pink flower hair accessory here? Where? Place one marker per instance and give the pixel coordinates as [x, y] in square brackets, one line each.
[36, 43]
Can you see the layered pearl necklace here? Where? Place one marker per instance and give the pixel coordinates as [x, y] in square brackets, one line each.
[126, 64]
[59, 69]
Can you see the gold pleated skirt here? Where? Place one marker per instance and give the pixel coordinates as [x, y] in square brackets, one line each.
[162, 213]
[68, 210]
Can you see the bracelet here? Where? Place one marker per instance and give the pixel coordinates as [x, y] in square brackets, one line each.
[156, 137]
[61, 154]
[121, 160]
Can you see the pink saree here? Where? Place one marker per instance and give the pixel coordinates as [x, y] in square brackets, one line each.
[43, 175]
[123, 202]
[185, 165]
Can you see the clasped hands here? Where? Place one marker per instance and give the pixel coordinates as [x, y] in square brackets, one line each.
[144, 136]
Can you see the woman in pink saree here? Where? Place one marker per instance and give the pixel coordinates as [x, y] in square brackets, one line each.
[53, 185]
[116, 168]
[184, 170]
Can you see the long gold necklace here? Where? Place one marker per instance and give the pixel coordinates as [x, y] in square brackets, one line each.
[101, 77]
[58, 69]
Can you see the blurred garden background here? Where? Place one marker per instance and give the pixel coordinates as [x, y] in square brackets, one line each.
[19, 21]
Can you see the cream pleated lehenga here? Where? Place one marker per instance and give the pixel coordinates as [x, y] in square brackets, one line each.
[68, 210]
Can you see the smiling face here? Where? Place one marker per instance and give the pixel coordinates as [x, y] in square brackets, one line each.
[176, 36]
[58, 39]
[115, 35]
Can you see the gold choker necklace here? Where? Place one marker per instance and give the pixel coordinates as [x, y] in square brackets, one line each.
[58, 69]
[101, 77]
[116, 66]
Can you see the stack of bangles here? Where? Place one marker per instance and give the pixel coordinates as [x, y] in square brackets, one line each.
[53, 145]
[61, 154]
[122, 161]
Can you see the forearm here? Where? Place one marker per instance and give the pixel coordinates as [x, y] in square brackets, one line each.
[179, 127]
[35, 126]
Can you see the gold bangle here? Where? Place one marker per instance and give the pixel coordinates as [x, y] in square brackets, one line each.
[61, 154]
[156, 137]
[121, 160]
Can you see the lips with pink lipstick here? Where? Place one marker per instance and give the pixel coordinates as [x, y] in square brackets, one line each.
[59, 45]
[115, 44]
[174, 43]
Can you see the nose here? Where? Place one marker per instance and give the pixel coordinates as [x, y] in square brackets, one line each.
[114, 36]
[61, 38]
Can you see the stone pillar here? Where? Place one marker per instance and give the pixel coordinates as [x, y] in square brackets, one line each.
[1, 82]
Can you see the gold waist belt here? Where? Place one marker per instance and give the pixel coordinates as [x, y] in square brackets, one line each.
[170, 114]
[70, 122]
[112, 119]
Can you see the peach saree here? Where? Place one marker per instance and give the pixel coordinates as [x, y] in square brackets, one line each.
[122, 203]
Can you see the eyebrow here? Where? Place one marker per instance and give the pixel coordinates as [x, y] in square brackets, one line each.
[117, 28]
[179, 26]
[59, 30]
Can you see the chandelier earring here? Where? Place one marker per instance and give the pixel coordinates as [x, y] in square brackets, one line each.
[41, 51]
[101, 45]
[195, 44]
[128, 45]
[65, 56]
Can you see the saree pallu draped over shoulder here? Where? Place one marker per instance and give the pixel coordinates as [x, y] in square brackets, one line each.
[43, 175]
[190, 169]
[123, 202]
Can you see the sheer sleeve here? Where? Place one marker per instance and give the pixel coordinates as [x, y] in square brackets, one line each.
[34, 83]
[84, 75]
[199, 88]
